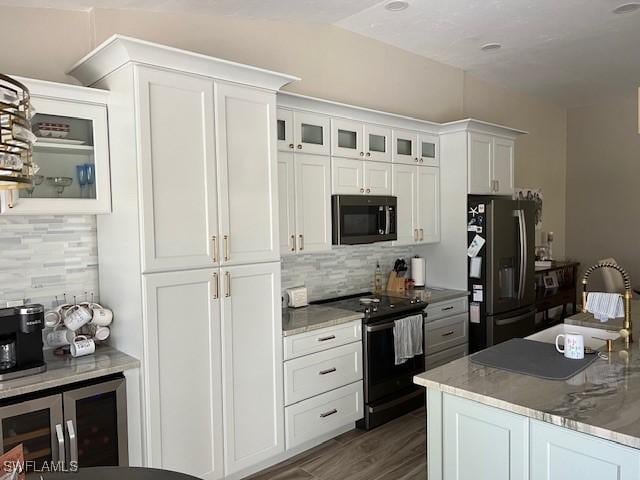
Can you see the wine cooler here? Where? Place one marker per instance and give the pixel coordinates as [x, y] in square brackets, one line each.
[84, 425]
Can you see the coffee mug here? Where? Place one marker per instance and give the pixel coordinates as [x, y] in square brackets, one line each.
[76, 317]
[98, 332]
[60, 336]
[102, 317]
[52, 318]
[82, 345]
[573, 345]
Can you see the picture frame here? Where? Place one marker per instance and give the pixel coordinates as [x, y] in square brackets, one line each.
[550, 281]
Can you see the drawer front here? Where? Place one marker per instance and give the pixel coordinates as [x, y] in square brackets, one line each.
[322, 339]
[321, 372]
[448, 308]
[319, 415]
[446, 333]
[446, 356]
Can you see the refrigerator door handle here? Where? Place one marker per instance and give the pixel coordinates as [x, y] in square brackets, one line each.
[523, 253]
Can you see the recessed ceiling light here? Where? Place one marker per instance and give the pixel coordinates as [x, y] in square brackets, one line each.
[626, 8]
[396, 6]
[490, 47]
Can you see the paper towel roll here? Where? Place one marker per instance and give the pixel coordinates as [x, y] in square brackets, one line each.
[418, 271]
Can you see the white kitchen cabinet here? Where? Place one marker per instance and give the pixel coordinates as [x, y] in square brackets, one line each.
[428, 204]
[286, 203]
[347, 176]
[347, 138]
[417, 190]
[429, 147]
[377, 143]
[247, 167]
[311, 133]
[405, 189]
[312, 203]
[177, 176]
[252, 364]
[74, 173]
[405, 147]
[491, 165]
[181, 405]
[483, 443]
[357, 177]
[304, 183]
[503, 165]
[559, 453]
[377, 178]
[285, 130]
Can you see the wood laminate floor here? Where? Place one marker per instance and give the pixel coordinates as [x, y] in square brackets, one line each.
[394, 451]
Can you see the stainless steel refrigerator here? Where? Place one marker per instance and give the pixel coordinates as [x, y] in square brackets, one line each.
[501, 239]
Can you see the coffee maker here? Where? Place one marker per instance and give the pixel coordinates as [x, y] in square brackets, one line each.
[21, 341]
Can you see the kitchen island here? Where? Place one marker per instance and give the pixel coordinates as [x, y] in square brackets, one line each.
[490, 424]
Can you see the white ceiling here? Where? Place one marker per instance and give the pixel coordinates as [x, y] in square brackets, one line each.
[567, 51]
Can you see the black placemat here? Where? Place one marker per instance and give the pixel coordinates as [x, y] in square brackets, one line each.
[533, 358]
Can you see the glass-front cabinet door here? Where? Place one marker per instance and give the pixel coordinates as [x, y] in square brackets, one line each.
[284, 128]
[377, 143]
[311, 133]
[71, 154]
[405, 147]
[38, 426]
[346, 138]
[96, 424]
[429, 146]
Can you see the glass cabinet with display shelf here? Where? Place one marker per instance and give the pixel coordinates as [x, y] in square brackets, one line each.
[71, 153]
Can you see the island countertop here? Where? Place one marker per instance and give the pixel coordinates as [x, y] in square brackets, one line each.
[65, 370]
[602, 400]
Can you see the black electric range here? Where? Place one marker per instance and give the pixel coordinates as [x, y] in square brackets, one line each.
[375, 307]
[389, 391]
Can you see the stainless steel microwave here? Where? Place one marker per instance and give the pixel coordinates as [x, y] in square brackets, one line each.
[363, 219]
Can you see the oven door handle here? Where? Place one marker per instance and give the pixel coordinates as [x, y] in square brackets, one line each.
[380, 327]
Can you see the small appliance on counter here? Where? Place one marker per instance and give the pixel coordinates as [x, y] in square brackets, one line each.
[297, 297]
[21, 341]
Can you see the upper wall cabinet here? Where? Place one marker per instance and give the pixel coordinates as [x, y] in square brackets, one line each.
[352, 139]
[72, 153]
[405, 147]
[309, 132]
[491, 165]
[429, 150]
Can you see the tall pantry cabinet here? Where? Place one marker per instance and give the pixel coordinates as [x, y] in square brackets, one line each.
[189, 258]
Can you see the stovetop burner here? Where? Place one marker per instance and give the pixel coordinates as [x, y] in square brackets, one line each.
[375, 306]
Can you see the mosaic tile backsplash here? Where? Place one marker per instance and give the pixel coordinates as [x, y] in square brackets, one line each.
[46, 256]
[341, 271]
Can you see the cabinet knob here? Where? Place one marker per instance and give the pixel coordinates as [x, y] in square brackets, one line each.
[299, 146]
[362, 154]
[368, 190]
[416, 159]
[368, 154]
[422, 160]
[362, 190]
[291, 145]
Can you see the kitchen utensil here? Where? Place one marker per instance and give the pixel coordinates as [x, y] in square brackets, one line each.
[102, 317]
[77, 316]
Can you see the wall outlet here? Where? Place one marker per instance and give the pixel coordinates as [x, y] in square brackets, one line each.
[15, 303]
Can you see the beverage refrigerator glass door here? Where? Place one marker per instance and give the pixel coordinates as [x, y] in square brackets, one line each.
[361, 219]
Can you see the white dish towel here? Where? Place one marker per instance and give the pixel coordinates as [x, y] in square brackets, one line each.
[407, 338]
[605, 306]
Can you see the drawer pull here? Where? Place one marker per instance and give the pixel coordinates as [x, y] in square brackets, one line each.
[447, 308]
[324, 339]
[450, 332]
[329, 413]
[328, 370]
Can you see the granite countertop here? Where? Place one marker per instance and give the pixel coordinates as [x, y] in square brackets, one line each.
[431, 294]
[66, 370]
[603, 400]
[314, 317]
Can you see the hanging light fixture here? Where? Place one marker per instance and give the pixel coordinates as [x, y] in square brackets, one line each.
[16, 138]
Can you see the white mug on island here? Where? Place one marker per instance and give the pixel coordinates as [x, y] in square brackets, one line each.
[573, 345]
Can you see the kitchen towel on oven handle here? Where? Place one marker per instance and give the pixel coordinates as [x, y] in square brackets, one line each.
[407, 338]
